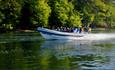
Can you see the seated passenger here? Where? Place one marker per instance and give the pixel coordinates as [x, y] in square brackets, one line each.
[89, 30]
[80, 30]
[76, 30]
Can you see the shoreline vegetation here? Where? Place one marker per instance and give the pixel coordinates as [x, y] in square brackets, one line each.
[26, 16]
[35, 30]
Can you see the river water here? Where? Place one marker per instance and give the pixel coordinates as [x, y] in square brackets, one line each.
[29, 51]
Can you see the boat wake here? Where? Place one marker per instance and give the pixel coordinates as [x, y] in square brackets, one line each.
[100, 36]
[52, 34]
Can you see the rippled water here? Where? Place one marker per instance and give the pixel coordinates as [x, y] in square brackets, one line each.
[84, 54]
[29, 51]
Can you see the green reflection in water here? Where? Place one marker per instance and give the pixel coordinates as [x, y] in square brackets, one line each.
[66, 60]
[108, 45]
[36, 55]
[26, 52]
[19, 55]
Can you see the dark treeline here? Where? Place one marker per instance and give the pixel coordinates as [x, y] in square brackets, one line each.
[29, 14]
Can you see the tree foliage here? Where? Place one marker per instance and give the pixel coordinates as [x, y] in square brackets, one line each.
[72, 13]
[64, 14]
[9, 13]
[42, 12]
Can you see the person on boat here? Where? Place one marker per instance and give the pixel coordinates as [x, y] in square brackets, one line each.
[58, 29]
[71, 29]
[80, 30]
[61, 29]
[89, 30]
[86, 29]
[64, 29]
[76, 30]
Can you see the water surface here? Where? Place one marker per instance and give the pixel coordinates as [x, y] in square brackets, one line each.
[29, 51]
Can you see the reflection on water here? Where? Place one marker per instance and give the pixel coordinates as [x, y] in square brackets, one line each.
[29, 53]
[82, 54]
[18, 55]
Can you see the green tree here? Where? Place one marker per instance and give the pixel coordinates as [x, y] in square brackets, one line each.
[74, 20]
[103, 12]
[43, 11]
[61, 10]
[86, 10]
[35, 13]
[64, 14]
[9, 13]
[1, 18]
[27, 13]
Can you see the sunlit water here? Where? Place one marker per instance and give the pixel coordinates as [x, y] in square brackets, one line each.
[29, 51]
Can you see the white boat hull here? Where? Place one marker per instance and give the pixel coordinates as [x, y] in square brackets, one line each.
[47, 36]
[53, 34]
